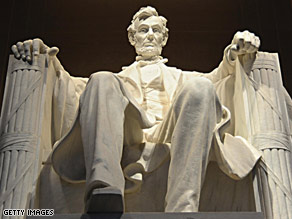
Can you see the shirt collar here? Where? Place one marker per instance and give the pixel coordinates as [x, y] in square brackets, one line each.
[155, 60]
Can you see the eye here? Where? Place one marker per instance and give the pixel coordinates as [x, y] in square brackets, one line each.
[156, 30]
[143, 30]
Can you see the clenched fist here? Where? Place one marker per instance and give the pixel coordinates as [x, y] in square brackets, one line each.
[244, 43]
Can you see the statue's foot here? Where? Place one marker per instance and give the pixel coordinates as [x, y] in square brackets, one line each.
[105, 200]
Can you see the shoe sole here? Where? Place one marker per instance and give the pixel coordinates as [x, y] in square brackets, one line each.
[105, 200]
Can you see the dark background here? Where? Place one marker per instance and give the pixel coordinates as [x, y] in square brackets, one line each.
[92, 34]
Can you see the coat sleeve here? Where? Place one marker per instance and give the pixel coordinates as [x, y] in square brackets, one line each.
[225, 68]
[67, 90]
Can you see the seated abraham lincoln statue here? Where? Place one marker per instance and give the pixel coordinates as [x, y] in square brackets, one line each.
[151, 103]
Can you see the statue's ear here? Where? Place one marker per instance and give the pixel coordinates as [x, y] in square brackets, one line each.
[165, 38]
[131, 37]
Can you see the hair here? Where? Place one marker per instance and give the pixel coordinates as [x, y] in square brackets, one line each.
[143, 14]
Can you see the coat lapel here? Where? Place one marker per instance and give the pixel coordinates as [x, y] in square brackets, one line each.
[131, 79]
[170, 79]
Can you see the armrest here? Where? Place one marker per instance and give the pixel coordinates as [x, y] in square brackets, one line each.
[262, 118]
[21, 126]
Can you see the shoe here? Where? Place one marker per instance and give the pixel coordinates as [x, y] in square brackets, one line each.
[105, 200]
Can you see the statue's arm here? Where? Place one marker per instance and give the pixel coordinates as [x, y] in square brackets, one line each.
[64, 89]
[244, 44]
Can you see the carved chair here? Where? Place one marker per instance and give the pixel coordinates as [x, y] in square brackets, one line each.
[28, 132]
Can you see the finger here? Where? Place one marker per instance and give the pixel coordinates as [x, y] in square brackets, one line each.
[253, 40]
[246, 40]
[53, 51]
[252, 49]
[234, 48]
[257, 42]
[240, 44]
[247, 46]
[43, 47]
[248, 34]
[234, 52]
[238, 40]
[27, 49]
[237, 36]
[20, 49]
[36, 46]
[15, 51]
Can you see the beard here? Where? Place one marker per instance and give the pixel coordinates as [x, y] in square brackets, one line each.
[149, 52]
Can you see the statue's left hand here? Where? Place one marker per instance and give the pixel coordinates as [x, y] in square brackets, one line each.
[244, 43]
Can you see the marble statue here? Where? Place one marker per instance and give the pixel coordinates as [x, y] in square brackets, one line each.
[162, 111]
[149, 102]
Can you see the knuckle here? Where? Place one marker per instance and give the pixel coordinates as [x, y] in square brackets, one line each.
[13, 47]
[19, 44]
[238, 33]
[38, 40]
[240, 40]
[27, 42]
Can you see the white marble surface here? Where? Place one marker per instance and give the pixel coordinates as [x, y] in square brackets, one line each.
[246, 81]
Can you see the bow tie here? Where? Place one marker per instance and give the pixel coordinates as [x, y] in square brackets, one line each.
[157, 60]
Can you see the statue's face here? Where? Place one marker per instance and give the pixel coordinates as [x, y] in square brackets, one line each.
[149, 37]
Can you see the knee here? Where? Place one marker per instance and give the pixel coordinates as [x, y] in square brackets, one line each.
[99, 83]
[198, 89]
[103, 77]
[198, 93]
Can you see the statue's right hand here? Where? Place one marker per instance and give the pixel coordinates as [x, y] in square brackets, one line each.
[28, 49]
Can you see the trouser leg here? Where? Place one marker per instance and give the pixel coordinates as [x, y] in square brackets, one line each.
[102, 107]
[189, 127]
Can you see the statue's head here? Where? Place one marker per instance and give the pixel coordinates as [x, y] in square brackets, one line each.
[148, 32]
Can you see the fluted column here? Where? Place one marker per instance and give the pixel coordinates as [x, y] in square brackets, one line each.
[268, 130]
[20, 130]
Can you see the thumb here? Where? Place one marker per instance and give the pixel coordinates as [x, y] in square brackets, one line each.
[53, 51]
[234, 51]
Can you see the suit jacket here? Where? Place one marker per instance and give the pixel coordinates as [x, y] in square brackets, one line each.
[68, 158]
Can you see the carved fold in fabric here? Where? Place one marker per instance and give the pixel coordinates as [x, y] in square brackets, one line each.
[18, 141]
[64, 92]
[270, 140]
[172, 79]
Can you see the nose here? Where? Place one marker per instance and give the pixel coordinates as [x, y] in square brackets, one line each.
[150, 34]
